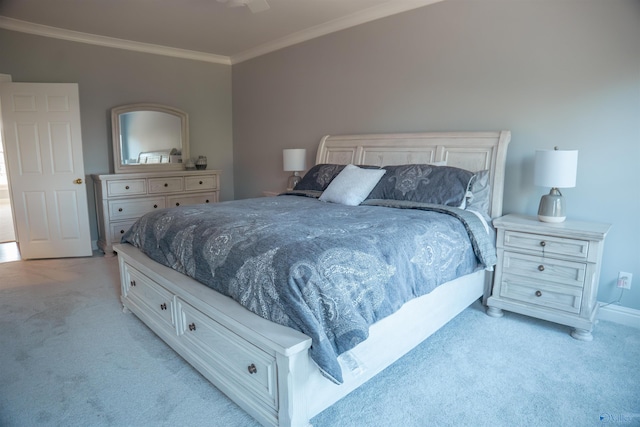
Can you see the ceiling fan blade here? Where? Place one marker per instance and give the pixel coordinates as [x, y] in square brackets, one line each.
[256, 6]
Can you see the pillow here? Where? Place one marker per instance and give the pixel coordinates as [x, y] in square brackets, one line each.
[478, 197]
[352, 185]
[424, 183]
[318, 177]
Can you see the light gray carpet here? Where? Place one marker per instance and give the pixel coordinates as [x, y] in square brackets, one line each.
[69, 356]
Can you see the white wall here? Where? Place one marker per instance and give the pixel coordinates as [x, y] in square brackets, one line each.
[563, 73]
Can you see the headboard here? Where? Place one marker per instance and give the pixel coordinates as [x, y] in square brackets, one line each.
[473, 151]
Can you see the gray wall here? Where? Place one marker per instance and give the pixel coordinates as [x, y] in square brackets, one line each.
[563, 73]
[109, 77]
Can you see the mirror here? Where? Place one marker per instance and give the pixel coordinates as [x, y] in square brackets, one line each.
[149, 138]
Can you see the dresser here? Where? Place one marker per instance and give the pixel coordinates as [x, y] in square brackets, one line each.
[549, 271]
[123, 198]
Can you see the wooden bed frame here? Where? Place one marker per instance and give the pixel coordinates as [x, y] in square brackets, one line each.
[264, 367]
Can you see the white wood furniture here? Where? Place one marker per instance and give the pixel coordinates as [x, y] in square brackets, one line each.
[264, 367]
[123, 198]
[549, 271]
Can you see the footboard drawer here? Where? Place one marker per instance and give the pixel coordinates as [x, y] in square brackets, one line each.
[253, 370]
[152, 298]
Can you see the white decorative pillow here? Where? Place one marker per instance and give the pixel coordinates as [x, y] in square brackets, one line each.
[351, 186]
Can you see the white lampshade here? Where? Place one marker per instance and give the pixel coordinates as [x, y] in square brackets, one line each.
[294, 159]
[556, 168]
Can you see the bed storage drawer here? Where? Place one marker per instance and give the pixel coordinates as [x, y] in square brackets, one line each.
[253, 370]
[153, 299]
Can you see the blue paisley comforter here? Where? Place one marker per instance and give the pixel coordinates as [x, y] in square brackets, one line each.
[325, 269]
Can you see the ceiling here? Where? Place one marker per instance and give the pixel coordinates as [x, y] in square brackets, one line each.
[208, 30]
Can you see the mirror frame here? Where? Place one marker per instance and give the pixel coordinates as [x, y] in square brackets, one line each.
[118, 166]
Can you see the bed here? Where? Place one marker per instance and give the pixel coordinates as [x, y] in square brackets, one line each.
[257, 354]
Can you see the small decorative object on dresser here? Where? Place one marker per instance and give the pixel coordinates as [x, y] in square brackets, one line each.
[549, 271]
[201, 163]
[123, 198]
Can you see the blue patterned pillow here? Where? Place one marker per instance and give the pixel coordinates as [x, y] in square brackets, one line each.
[318, 177]
[442, 185]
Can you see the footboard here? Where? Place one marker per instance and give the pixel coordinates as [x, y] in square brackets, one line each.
[258, 364]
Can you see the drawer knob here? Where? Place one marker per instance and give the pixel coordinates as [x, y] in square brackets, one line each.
[177, 203]
[119, 209]
[155, 206]
[538, 293]
[132, 283]
[252, 369]
[541, 267]
[166, 185]
[543, 243]
[192, 326]
[163, 306]
[121, 231]
[201, 182]
[126, 188]
[206, 201]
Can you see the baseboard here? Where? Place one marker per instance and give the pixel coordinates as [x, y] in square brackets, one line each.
[619, 314]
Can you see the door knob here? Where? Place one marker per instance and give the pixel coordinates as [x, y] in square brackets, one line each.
[78, 181]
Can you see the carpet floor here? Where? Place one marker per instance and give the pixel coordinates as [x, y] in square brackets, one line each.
[69, 356]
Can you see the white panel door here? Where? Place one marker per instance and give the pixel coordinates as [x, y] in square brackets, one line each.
[41, 125]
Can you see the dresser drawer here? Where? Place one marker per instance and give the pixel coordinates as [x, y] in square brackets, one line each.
[198, 199]
[545, 269]
[129, 209]
[165, 185]
[118, 229]
[544, 294]
[251, 368]
[127, 187]
[200, 182]
[153, 298]
[540, 244]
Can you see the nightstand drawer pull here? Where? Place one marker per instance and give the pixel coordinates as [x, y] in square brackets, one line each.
[538, 293]
[192, 326]
[541, 267]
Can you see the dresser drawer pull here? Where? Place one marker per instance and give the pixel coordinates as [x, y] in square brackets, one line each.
[206, 201]
[166, 185]
[192, 326]
[201, 182]
[538, 293]
[119, 209]
[163, 306]
[121, 231]
[543, 243]
[252, 369]
[177, 203]
[541, 267]
[155, 206]
[132, 283]
[126, 188]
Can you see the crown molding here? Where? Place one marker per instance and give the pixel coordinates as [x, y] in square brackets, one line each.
[362, 17]
[76, 36]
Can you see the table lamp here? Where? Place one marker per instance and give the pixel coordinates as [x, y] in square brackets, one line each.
[294, 160]
[556, 169]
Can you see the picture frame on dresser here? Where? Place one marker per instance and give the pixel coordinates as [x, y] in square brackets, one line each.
[550, 271]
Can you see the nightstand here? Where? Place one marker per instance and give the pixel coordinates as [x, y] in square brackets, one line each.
[271, 193]
[549, 271]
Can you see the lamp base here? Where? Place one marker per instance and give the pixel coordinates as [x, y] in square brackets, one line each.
[552, 207]
[293, 181]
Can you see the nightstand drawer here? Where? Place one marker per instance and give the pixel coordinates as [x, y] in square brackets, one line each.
[539, 269]
[544, 294]
[540, 244]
